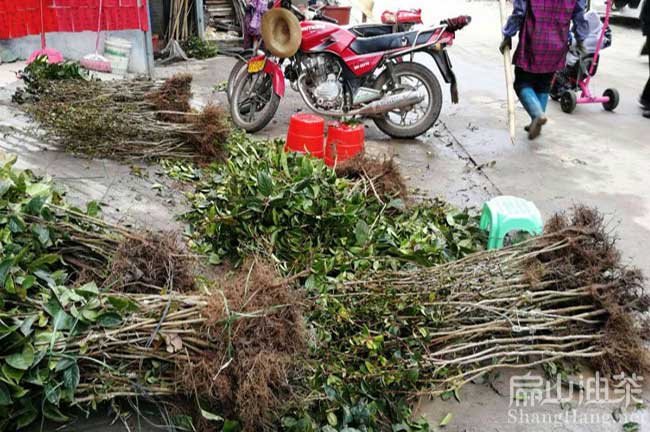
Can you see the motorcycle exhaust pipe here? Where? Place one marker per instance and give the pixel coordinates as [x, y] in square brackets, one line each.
[381, 106]
[389, 103]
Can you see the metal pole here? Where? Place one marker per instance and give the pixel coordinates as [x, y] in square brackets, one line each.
[507, 64]
[200, 18]
[148, 42]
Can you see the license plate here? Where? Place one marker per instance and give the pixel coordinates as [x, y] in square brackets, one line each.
[255, 66]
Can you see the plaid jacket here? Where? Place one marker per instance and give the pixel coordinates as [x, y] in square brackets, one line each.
[544, 32]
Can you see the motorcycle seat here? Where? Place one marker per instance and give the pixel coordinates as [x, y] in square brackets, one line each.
[371, 30]
[368, 45]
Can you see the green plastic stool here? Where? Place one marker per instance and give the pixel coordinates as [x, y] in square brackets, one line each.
[507, 213]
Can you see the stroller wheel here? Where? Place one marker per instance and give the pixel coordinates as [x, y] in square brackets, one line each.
[568, 102]
[614, 99]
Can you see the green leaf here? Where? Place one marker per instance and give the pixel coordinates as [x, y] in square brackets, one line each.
[53, 391]
[23, 360]
[16, 224]
[43, 260]
[42, 234]
[230, 426]
[265, 183]
[88, 290]
[53, 413]
[27, 324]
[109, 320]
[397, 204]
[631, 427]
[39, 189]
[93, 209]
[210, 416]
[361, 232]
[64, 364]
[331, 419]
[10, 287]
[63, 321]
[123, 304]
[183, 422]
[71, 377]
[35, 205]
[26, 418]
[5, 266]
[27, 282]
[5, 185]
[5, 396]
[446, 420]
[11, 375]
[89, 315]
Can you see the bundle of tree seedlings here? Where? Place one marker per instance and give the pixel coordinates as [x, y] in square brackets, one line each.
[121, 120]
[91, 312]
[399, 302]
[564, 296]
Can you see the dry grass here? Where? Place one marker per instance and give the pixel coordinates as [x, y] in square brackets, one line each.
[383, 174]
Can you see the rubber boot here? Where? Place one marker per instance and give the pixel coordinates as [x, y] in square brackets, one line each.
[533, 107]
[543, 102]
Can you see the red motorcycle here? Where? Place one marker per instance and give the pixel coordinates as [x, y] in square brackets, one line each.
[365, 71]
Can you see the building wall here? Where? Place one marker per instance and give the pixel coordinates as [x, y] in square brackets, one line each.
[74, 46]
[71, 27]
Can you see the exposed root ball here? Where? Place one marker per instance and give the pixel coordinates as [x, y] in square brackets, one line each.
[384, 174]
[147, 266]
[255, 321]
[623, 345]
[173, 96]
[592, 259]
[212, 130]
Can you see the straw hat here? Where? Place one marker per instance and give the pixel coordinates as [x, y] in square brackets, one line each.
[366, 6]
[281, 32]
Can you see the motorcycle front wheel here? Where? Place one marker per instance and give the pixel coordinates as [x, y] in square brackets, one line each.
[236, 70]
[410, 122]
[254, 103]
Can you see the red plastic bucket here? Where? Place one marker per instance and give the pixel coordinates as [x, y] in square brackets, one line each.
[306, 135]
[343, 142]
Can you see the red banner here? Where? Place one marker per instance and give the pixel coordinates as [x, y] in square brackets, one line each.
[23, 18]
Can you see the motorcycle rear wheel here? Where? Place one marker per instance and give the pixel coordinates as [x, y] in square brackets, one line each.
[433, 101]
[254, 102]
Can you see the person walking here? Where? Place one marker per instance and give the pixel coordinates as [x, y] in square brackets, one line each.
[645, 23]
[543, 27]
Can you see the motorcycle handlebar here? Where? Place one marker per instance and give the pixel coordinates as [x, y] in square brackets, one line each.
[322, 17]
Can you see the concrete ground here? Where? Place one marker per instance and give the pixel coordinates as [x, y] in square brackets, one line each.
[590, 157]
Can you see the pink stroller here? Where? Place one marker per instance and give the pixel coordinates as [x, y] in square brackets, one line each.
[568, 83]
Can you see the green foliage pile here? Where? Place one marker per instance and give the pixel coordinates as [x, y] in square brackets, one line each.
[90, 313]
[298, 213]
[197, 48]
[34, 377]
[39, 72]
